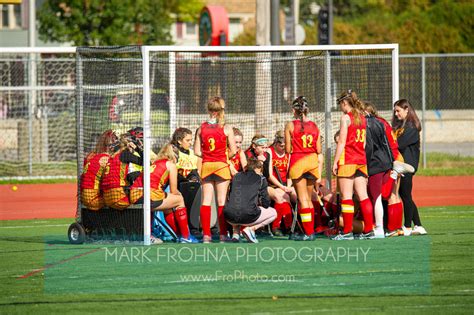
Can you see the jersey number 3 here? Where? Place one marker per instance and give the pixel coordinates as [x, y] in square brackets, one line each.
[212, 144]
[307, 141]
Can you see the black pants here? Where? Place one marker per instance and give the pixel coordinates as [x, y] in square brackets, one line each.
[409, 207]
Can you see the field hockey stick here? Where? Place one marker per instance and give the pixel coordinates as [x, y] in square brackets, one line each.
[321, 203]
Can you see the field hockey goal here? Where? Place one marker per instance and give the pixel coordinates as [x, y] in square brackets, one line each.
[160, 88]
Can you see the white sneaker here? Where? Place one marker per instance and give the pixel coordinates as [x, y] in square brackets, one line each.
[155, 240]
[419, 230]
[379, 232]
[249, 235]
[406, 231]
[402, 168]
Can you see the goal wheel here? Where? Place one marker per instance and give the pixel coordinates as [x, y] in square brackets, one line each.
[76, 233]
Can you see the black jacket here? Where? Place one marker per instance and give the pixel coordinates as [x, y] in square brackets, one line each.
[409, 145]
[248, 191]
[377, 150]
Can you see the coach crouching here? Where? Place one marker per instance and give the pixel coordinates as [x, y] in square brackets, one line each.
[249, 202]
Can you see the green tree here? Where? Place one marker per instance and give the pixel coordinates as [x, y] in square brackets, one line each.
[419, 26]
[113, 22]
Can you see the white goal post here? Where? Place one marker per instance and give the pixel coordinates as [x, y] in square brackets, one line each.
[172, 51]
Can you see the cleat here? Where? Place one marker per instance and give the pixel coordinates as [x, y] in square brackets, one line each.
[304, 237]
[402, 168]
[418, 230]
[155, 240]
[206, 239]
[250, 235]
[379, 233]
[235, 238]
[344, 237]
[392, 233]
[190, 240]
[406, 231]
[224, 239]
[367, 236]
[331, 232]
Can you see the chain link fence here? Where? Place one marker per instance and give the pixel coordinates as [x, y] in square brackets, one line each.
[37, 106]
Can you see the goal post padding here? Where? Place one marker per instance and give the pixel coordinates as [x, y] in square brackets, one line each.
[258, 85]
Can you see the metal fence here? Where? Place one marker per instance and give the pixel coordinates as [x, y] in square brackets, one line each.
[37, 106]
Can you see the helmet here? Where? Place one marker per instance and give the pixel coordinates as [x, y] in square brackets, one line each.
[135, 135]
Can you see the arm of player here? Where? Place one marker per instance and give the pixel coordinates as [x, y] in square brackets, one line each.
[230, 140]
[288, 131]
[243, 159]
[197, 143]
[173, 177]
[345, 121]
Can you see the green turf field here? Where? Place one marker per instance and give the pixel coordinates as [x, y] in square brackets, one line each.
[40, 272]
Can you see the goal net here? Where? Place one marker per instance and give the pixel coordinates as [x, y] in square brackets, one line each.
[160, 88]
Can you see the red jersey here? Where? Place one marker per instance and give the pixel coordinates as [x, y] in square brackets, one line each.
[115, 174]
[159, 178]
[391, 139]
[280, 163]
[236, 161]
[213, 143]
[354, 151]
[92, 171]
[304, 141]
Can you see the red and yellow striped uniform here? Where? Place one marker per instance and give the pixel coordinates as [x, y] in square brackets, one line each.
[353, 156]
[281, 164]
[159, 178]
[113, 182]
[90, 180]
[235, 160]
[304, 157]
[214, 151]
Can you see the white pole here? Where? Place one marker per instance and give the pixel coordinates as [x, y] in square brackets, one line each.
[146, 146]
[328, 122]
[395, 80]
[423, 104]
[32, 81]
[172, 83]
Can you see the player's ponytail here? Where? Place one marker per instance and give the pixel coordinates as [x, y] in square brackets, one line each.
[357, 106]
[217, 105]
[300, 105]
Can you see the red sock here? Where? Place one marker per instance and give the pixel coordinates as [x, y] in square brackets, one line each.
[307, 215]
[368, 214]
[398, 215]
[347, 214]
[181, 217]
[395, 216]
[222, 221]
[169, 218]
[279, 209]
[205, 215]
[287, 215]
[387, 187]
